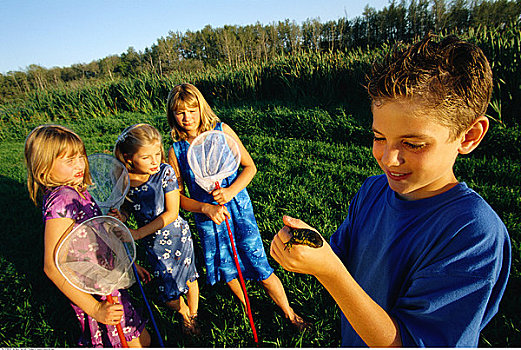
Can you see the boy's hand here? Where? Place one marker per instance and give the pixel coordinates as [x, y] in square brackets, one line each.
[108, 313]
[143, 274]
[217, 213]
[301, 258]
[222, 195]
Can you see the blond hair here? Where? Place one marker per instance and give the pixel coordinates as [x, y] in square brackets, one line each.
[450, 80]
[43, 146]
[184, 96]
[133, 138]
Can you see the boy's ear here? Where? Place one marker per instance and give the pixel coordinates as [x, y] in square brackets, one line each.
[471, 138]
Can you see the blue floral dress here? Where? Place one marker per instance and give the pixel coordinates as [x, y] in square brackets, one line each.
[218, 253]
[170, 250]
[66, 202]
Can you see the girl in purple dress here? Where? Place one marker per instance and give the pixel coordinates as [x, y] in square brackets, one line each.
[57, 167]
[153, 199]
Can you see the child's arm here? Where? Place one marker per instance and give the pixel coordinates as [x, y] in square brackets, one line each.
[169, 215]
[104, 312]
[372, 323]
[224, 195]
[215, 212]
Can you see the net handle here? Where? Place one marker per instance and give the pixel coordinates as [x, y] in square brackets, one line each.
[114, 300]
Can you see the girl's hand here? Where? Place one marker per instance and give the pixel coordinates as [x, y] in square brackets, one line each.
[222, 195]
[143, 274]
[217, 213]
[115, 213]
[108, 313]
[301, 258]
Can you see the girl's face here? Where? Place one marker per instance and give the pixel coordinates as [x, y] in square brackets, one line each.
[68, 169]
[147, 159]
[189, 118]
[415, 152]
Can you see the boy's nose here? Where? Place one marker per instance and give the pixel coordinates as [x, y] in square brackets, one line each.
[391, 157]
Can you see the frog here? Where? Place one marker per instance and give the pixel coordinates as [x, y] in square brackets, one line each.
[304, 236]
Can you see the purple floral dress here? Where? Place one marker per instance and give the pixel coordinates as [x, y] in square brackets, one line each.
[66, 202]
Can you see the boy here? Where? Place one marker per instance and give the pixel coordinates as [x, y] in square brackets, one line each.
[421, 259]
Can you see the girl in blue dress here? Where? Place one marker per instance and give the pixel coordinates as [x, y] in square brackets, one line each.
[189, 115]
[153, 198]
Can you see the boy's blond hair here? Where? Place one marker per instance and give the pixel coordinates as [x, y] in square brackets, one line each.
[184, 96]
[449, 80]
[133, 138]
[43, 145]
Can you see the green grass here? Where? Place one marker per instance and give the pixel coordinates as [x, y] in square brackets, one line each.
[311, 161]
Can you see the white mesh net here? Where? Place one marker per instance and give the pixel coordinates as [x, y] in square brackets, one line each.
[97, 256]
[111, 181]
[213, 156]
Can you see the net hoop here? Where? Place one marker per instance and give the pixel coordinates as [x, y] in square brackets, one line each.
[212, 157]
[111, 182]
[108, 252]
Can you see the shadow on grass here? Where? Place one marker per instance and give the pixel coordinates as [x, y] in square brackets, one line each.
[38, 312]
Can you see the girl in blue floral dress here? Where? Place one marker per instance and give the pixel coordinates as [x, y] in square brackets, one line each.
[57, 167]
[154, 200]
[189, 115]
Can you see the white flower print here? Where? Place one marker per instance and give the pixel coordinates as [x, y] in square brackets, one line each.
[177, 223]
[137, 207]
[144, 188]
[97, 334]
[183, 239]
[82, 234]
[93, 247]
[166, 233]
[81, 215]
[164, 182]
[178, 253]
[166, 254]
[169, 269]
[188, 261]
[115, 332]
[162, 242]
[184, 231]
[161, 288]
[169, 242]
[127, 329]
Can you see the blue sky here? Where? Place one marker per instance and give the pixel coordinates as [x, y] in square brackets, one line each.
[60, 33]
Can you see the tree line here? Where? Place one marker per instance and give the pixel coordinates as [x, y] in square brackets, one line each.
[234, 45]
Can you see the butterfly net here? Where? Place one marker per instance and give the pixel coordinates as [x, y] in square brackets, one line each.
[97, 256]
[213, 156]
[110, 181]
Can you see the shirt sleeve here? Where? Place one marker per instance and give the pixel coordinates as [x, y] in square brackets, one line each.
[63, 202]
[169, 180]
[450, 299]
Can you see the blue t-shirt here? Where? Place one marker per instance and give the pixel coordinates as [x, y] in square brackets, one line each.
[438, 266]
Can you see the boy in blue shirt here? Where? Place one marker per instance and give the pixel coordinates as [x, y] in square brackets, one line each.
[421, 259]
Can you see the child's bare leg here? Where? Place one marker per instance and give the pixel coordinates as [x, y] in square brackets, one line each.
[180, 306]
[235, 286]
[143, 341]
[275, 290]
[192, 297]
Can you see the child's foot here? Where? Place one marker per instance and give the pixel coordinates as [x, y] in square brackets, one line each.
[191, 325]
[299, 323]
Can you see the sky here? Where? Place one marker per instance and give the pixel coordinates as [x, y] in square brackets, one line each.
[60, 33]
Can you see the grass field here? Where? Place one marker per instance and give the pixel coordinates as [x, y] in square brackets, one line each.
[311, 161]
